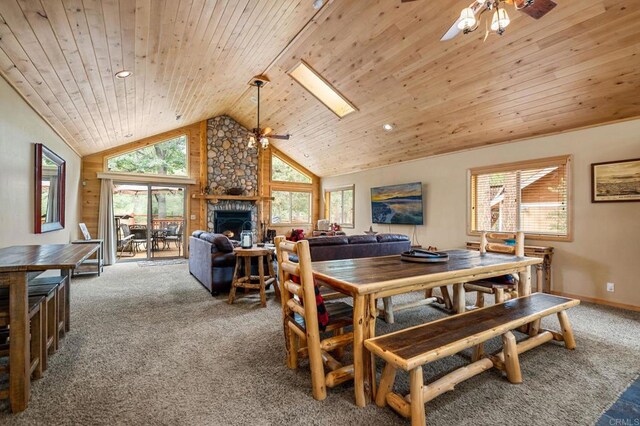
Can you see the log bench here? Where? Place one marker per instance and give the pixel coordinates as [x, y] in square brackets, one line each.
[411, 348]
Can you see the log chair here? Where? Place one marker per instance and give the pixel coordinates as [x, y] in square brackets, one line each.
[300, 321]
[501, 291]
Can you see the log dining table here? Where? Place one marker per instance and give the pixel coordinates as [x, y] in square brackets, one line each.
[15, 264]
[368, 279]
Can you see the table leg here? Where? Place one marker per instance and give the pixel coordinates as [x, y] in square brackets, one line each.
[547, 274]
[459, 299]
[263, 295]
[272, 274]
[247, 272]
[539, 277]
[361, 357]
[524, 285]
[67, 301]
[19, 352]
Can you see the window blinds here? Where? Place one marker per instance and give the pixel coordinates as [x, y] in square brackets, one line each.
[532, 198]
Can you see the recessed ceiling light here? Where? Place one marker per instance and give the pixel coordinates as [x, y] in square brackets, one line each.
[123, 74]
[317, 4]
[128, 135]
[254, 99]
[306, 156]
[388, 127]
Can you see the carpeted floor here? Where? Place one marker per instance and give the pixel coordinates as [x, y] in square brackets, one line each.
[151, 346]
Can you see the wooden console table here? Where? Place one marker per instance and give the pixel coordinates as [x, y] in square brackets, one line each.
[91, 266]
[15, 264]
[546, 253]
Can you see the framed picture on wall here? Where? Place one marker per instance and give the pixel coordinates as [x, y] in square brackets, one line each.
[615, 181]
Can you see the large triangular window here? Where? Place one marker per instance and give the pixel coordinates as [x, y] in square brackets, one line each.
[281, 171]
[167, 158]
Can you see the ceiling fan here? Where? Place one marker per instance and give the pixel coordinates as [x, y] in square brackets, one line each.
[469, 19]
[257, 133]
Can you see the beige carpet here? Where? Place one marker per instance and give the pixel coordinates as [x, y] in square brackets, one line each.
[151, 346]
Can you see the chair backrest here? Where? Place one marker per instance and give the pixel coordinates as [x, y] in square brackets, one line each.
[125, 230]
[499, 243]
[303, 290]
[85, 231]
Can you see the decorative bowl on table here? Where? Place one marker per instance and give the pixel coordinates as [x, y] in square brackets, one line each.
[235, 191]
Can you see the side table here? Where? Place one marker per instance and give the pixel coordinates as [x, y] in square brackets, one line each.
[248, 281]
[91, 266]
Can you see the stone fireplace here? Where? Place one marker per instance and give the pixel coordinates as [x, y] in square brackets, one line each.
[230, 164]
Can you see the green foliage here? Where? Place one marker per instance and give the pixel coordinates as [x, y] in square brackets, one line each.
[291, 207]
[283, 172]
[164, 158]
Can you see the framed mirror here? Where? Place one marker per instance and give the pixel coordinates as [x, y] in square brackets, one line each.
[49, 190]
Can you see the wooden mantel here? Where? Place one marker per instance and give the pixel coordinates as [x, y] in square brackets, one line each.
[215, 198]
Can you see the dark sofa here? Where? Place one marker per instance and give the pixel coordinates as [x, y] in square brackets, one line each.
[211, 260]
[356, 246]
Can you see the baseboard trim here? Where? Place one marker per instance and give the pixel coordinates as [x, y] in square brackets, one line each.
[598, 301]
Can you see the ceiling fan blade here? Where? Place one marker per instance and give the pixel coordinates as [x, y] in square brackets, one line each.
[283, 137]
[407, 1]
[537, 9]
[451, 32]
[454, 30]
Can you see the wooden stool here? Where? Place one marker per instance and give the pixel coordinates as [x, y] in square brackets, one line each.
[248, 281]
[60, 284]
[35, 312]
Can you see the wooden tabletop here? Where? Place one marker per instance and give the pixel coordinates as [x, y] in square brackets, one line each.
[43, 257]
[371, 274]
[254, 251]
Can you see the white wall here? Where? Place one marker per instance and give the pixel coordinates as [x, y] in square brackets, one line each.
[20, 129]
[606, 243]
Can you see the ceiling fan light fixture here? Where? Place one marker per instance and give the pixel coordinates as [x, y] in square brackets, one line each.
[467, 18]
[500, 21]
[264, 142]
[252, 142]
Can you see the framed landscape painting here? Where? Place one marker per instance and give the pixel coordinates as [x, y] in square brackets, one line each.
[615, 181]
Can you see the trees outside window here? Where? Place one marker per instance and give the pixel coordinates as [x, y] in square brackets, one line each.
[167, 158]
[291, 207]
[339, 206]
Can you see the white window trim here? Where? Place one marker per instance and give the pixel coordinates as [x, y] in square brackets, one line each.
[351, 187]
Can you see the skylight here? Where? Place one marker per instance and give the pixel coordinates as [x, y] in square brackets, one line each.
[321, 89]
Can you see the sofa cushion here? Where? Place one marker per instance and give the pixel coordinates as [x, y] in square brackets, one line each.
[362, 239]
[221, 242]
[223, 260]
[328, 241]
[389, 238]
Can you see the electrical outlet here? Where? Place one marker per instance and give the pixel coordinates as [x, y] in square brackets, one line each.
[611, 287]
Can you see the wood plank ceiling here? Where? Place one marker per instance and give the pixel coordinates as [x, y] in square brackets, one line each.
[578, 66]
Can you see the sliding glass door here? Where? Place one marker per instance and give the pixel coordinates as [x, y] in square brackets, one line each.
[150, 220]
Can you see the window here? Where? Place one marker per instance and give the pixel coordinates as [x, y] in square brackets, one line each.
[531, 196]
[167, 158]
[283, 172]
[339, 205]
[290, 207]
[321, 89]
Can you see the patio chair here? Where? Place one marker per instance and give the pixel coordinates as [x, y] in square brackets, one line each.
[139, 236]
[125, 241]
[174, 233]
